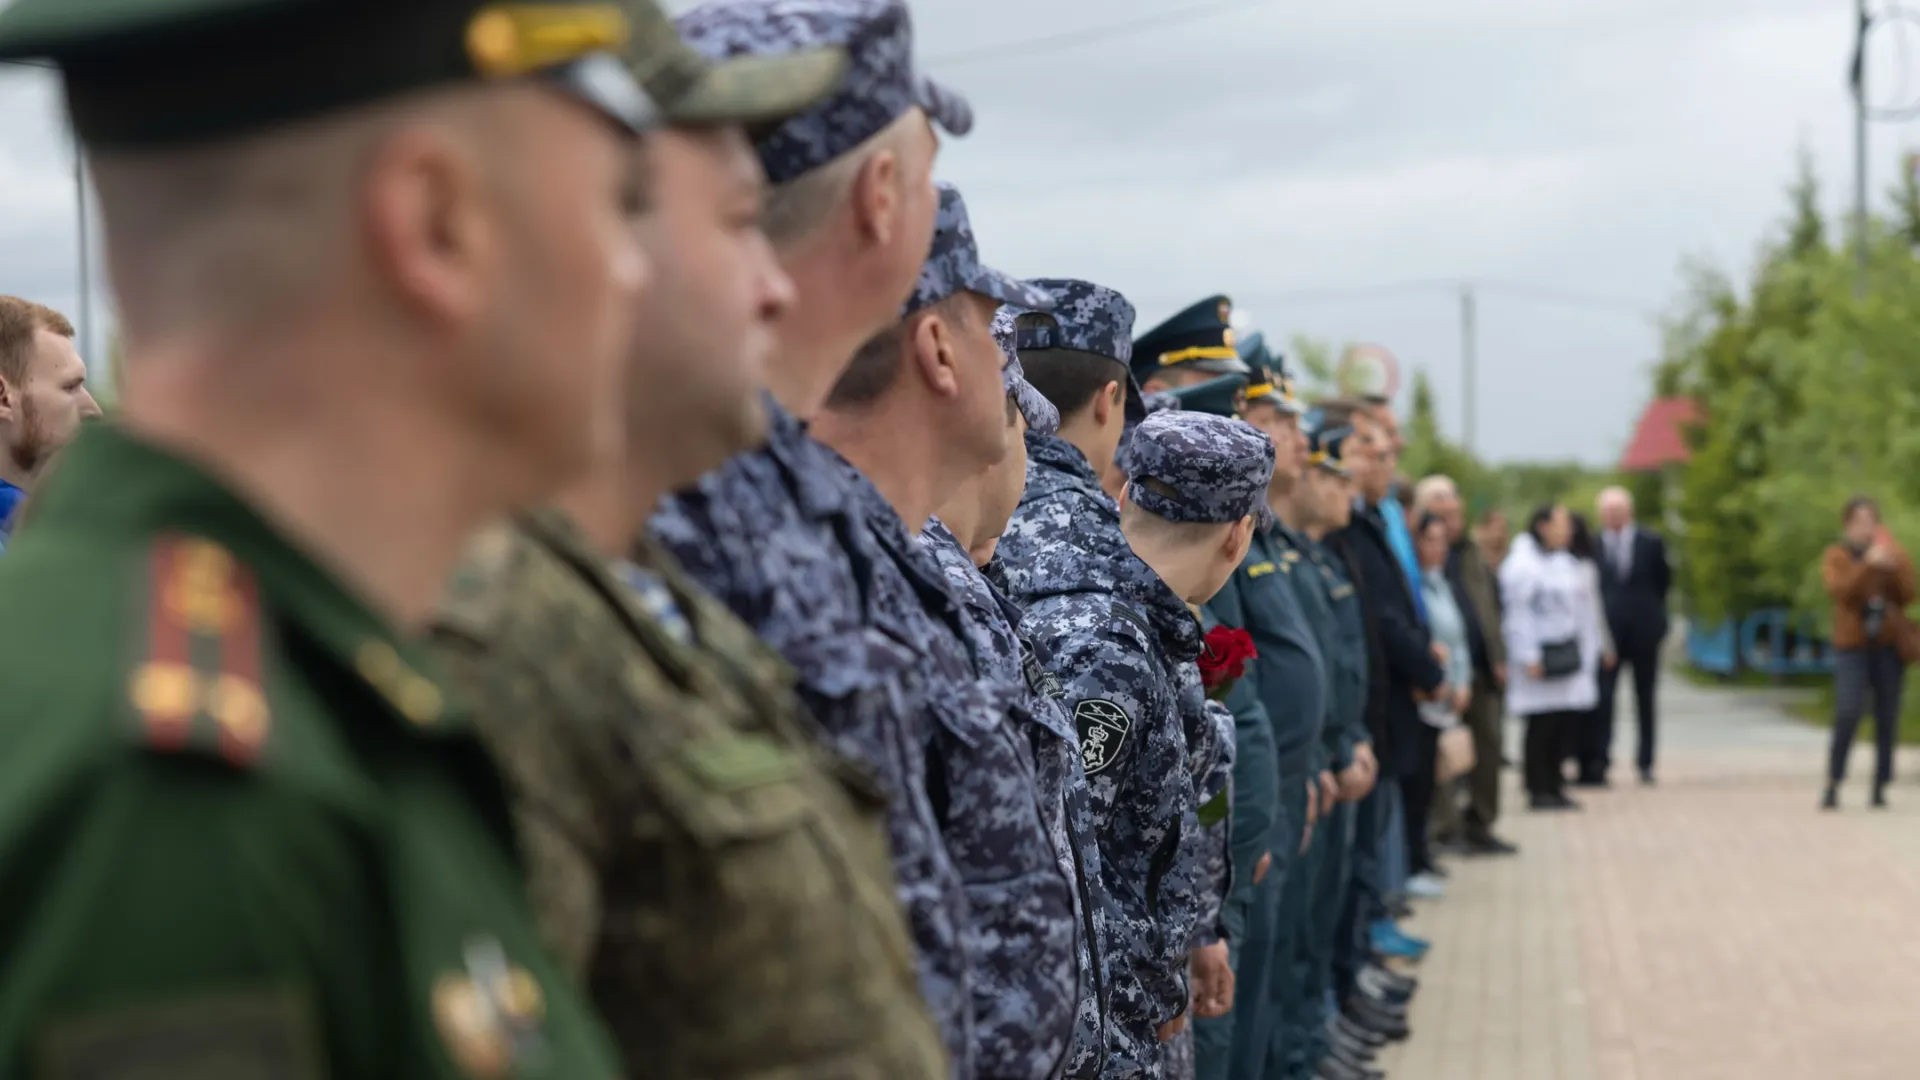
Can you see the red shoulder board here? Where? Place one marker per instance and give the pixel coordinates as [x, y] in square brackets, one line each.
[195, 683]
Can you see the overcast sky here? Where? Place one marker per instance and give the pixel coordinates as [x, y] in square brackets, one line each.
[1286, 147]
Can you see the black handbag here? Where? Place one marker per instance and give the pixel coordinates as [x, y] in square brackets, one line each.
[1559, 659]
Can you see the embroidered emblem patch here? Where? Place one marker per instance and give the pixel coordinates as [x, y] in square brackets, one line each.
[1103, 728]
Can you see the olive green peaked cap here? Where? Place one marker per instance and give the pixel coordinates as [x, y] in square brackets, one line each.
[150, 73]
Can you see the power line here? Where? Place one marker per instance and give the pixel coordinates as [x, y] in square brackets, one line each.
[1618, 305]
[1074, 38]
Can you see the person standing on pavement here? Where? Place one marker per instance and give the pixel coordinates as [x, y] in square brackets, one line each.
[43, 398]
[1123, 641]
[964, 538]
[1871, 580]
[1478, 588]
[1443, 711]
[1553, 647]
[922, 411]
[1634, 580]
[632, 713]
[780, 535]
[1406, 668]
[1287, 702]
[368, 308]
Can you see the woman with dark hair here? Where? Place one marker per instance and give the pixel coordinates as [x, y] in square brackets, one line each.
[1582, 547]
[1441, 711]
[1870, 579]
[1553, 648]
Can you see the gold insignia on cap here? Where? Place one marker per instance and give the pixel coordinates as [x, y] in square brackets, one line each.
[1226, 310]
[1227, 337]
[508, 40]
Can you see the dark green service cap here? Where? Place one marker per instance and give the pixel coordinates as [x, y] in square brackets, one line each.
[1224, 396]
[155, 73]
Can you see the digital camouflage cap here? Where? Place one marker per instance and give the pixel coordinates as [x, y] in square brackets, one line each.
[1042, 417]
[1206, 469]
[880, 82]
[953, 264]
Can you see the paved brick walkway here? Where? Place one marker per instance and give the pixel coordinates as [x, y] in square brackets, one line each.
[1715, 926]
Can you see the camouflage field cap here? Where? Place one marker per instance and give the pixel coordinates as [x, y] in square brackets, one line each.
[151, 73]
[1206, 469]
[1042, 417]
[880, 82]
[1160, 401]
[754, 90]
[1092, 319]
[1326, 449]
[953, 264]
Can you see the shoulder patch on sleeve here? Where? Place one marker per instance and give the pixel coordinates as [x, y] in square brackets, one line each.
[195, 685]
[1103, 727]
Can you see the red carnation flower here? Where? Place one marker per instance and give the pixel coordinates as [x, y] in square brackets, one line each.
[1223, 659]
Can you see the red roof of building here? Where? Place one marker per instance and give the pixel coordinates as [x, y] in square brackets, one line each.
[1659, 440]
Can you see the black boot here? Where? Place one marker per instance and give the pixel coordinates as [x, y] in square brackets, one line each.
[1831, 800]
[1879, 796]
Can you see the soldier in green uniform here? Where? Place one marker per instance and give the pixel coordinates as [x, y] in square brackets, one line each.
[375, 263]
[1322, 504]
[721, 883]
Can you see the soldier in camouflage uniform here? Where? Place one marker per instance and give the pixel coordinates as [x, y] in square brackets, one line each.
[1113, 617]
[721, 884]
[913, 441]
[963, 538]
[778, 534]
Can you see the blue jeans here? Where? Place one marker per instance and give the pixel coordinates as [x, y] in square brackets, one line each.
[1393, 839]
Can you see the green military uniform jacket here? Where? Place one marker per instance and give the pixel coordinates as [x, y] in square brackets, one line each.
[1281, 698]
[720, 883]
[1346, 648]
[241, 831]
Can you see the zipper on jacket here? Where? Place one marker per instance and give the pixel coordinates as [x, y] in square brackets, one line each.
[1087, 927]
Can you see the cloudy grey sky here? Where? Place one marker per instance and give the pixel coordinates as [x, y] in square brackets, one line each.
[1285, 150]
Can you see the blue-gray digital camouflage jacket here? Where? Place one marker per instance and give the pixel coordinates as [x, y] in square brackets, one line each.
[999, 655]
[778, 535]
[1116, 637]
[1211, 755]
[986, 799]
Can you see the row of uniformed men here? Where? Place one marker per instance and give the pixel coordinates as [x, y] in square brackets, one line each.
[737, 742]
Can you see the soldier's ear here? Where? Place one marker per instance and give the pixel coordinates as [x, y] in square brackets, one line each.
[1105, 402]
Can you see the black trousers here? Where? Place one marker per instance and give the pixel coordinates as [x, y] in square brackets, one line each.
[1857, 673]
[1596, 740]
[1546, 748]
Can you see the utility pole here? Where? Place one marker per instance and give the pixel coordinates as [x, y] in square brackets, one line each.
[1863, 22]
[86, 252]
[1469, 375]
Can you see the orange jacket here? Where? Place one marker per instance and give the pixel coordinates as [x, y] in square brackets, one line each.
[1851, 583]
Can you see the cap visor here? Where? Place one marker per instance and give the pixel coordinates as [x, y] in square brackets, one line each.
[944, 107]
[755, 90]
[602, 81]
[1135, 409]
[1009, 290]
[1220, 366]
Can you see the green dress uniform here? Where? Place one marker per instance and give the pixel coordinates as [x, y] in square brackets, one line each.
[722, 885]
[242, 833]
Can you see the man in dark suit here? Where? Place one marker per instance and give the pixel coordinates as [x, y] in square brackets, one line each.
[1634, 578]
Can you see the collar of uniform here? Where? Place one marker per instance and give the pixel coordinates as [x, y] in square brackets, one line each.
[1180, 634]
[556, 531]
[111, 481]
[820, 491]
[1064, 460]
